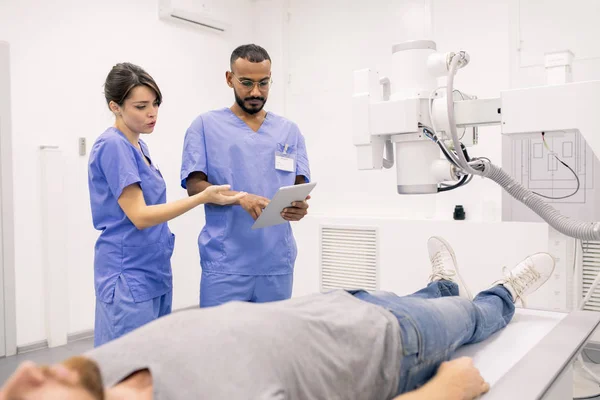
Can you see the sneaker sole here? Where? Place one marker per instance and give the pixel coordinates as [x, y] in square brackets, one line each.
[460, 282]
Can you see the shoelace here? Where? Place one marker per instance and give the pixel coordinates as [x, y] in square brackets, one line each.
[437, 263]
[522, 280]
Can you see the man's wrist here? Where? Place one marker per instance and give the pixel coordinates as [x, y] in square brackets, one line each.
[432, 391]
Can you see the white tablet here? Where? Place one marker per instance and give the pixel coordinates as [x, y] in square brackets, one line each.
[284, 198]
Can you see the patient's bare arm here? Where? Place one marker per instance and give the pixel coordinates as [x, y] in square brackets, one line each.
[455, 380]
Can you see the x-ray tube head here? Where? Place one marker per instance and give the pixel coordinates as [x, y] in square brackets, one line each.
[419, 168]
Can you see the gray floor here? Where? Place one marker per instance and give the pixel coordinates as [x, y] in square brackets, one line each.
[46, 356]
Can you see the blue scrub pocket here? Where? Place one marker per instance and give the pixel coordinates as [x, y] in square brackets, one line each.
[170, 247]
[145, 258]
[291, 149]
[148, 269]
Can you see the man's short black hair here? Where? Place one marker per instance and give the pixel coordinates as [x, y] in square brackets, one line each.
[250, 52]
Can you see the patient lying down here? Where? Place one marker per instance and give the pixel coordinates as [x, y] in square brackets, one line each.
[339, 345]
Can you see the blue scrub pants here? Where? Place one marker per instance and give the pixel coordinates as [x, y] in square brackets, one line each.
[217, 288]
[123, 315]
[435, 321]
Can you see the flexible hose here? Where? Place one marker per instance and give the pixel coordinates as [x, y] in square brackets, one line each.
[451, 117]
[447, 152]
[565, 225]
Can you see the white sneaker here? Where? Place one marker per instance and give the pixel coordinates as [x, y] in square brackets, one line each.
[527, 276]
[444, 265]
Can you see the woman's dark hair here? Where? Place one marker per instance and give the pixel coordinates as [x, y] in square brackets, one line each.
[123, 78]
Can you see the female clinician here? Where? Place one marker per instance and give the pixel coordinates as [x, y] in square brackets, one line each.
[132, 263]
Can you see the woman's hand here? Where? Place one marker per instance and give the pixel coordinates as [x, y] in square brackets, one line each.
[220, 195]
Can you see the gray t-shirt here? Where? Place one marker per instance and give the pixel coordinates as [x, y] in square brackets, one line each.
[324, 346]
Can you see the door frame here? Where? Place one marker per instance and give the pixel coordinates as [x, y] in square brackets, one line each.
[7, 234]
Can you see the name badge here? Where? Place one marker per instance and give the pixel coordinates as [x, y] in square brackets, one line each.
[284, 162]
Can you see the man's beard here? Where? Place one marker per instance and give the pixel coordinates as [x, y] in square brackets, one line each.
[250, 111]
[89, 375]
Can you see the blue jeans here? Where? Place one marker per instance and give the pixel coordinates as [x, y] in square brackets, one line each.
[434, 322]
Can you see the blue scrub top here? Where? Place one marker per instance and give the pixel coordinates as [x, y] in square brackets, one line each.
[228, 151]
[143, 257]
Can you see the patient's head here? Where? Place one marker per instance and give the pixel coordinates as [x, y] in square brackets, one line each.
[77, 378]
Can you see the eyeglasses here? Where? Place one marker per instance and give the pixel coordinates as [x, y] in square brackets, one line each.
[248, 84]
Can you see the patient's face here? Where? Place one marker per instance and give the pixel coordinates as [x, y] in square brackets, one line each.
[76, 379]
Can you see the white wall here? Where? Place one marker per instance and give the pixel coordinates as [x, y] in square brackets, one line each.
[506, 40]
[574, 27]
[61, 53]
[404, 265]
[328, 40]
[271, 32]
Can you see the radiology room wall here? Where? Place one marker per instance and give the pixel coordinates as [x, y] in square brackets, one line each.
[342, 39]
[61, 53]
[506, 40]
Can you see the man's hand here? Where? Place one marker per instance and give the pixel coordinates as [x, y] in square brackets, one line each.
[460, 380]
[298, 210]
[455, 380]
[254, 204]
